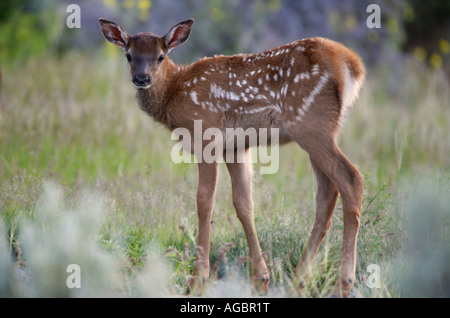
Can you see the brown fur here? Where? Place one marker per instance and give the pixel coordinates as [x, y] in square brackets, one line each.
[299, 88]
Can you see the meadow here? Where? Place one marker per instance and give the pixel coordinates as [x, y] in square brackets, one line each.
[86, 178]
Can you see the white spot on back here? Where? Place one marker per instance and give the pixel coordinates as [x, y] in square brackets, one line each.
[232, 96]
[284, 89]
[315, 69]
[310, 99]
[304, 75]
[217, 91]
[194, 97]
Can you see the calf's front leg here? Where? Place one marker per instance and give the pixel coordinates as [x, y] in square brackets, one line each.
[207, 180]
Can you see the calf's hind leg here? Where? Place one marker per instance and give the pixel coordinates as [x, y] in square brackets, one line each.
[326, 198]
[327, 156]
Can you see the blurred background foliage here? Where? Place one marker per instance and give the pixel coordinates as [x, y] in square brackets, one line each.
[408, 27]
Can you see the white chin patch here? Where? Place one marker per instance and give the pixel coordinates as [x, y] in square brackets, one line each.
[143, 87]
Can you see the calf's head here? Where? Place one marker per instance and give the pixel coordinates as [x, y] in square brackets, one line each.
[145, 51]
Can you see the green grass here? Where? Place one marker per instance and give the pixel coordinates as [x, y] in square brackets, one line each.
[86, 178]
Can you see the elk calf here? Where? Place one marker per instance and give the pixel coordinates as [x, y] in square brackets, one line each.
[304, 89]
